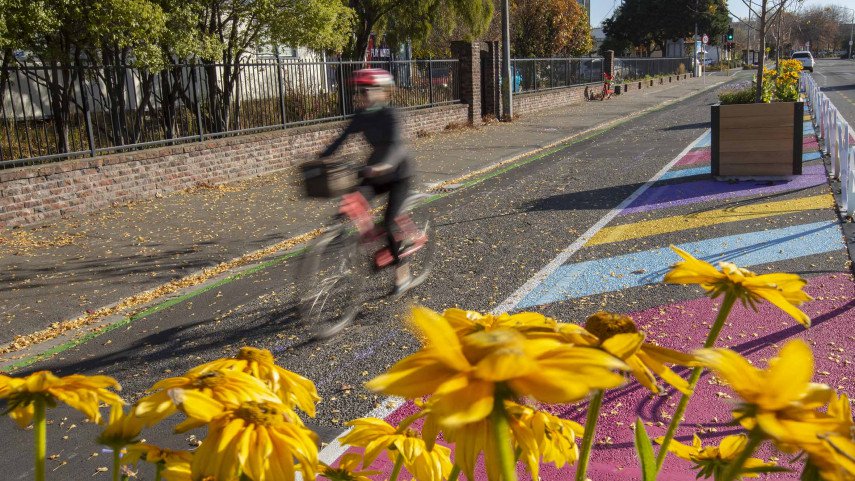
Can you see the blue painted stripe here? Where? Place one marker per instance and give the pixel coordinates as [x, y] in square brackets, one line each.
[706, 140]
[807, 128]
[811, 156]
[593, 277]
[677, 174]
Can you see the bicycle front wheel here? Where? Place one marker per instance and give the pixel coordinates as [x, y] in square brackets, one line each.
[329, 286]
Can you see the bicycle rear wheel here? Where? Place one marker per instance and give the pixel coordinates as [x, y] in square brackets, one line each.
[329, 286]
[420, 248]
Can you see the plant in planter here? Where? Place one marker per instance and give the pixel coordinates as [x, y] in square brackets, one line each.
[751, 139]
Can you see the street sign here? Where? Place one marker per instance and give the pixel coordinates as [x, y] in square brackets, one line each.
[705, 39]
[850, 42]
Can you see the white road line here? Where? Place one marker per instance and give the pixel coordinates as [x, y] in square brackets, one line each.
[562, 257]
[331, 452]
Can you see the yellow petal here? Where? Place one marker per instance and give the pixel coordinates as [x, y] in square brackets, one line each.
[788, 375]
[624, 345]
[665, 373]
[440, 337]
[466, 405]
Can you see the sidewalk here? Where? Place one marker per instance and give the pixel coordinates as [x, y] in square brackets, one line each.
[73, 268]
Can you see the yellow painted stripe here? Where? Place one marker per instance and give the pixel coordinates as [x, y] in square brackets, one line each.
[677, 223]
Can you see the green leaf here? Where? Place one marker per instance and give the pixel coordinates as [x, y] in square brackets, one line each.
[645, 452]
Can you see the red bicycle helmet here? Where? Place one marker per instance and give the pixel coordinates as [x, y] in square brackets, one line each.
[372, 77]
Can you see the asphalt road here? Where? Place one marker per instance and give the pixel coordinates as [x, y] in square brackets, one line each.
[493, 237]
[837, 79]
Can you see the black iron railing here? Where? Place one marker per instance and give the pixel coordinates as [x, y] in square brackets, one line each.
[628, 69]
[537, 74]
[49, 112]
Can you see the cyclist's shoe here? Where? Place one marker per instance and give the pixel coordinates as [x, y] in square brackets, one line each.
[402, 288]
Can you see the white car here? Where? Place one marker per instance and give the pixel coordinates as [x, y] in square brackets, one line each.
[805, 58]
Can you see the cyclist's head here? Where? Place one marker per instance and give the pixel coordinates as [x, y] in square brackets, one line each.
[372, 85]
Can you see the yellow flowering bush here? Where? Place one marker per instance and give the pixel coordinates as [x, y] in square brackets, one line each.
[481, 384]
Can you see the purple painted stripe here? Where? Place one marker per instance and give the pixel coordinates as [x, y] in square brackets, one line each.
[665, 196]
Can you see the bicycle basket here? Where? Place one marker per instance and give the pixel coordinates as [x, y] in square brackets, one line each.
[326, 179]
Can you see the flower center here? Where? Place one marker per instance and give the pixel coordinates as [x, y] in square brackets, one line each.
[607, 324]
[259, 413]
[736, 274]
[261, 356]
[209, 380]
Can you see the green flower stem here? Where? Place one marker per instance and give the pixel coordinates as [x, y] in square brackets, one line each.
[158, 471]
[734, 469]
[502, 437]
[40, 435]
[590, 434]
[403, 425]
[399, 463]
[712, 337]
[116, 464]
[454, 474]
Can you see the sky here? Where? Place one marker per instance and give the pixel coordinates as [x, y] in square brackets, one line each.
[601, 9]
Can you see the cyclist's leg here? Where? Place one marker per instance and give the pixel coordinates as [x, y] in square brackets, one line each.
[398, 193]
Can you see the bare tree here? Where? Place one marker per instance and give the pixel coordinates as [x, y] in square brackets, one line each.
[766, 12]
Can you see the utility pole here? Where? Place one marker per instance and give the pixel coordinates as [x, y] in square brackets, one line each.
[851, 31]
[507, 93]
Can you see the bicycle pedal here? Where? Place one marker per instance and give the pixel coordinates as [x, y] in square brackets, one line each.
[383, 258]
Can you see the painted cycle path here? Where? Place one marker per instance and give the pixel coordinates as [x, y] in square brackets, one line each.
[768, 233]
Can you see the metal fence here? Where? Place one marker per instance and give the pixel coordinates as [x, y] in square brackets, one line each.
[639, 68]
[51, 113]
[537, 74]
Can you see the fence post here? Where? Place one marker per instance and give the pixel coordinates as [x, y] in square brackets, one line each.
[469, 63]
[196, 95]
[281, 87]
[87, 114]
[430, 80]
[609, 63]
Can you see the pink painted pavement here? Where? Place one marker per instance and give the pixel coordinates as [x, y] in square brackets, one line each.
[684, 326]
[695, 157]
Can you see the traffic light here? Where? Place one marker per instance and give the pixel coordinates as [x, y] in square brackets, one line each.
[729, 34]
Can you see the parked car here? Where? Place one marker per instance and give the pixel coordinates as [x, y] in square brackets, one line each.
[805, 58]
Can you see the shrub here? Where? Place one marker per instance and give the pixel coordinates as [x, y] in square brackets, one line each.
[741, 96]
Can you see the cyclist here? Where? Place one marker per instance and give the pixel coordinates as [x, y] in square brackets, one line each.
[387, 170]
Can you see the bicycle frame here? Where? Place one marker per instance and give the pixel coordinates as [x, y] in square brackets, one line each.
[355, 207]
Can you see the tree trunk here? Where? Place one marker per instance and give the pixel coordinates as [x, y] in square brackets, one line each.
[758, 98]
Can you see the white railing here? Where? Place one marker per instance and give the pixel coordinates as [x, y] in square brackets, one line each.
[838, 139]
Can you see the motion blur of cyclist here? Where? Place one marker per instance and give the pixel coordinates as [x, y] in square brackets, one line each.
[387, 170]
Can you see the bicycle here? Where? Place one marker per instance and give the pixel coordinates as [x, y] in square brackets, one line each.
[332, 291]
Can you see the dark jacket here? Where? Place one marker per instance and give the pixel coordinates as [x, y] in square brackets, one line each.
[382, 130]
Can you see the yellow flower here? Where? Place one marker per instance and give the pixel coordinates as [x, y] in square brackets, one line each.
[347, 469]
[618, 335]
[713, 460]
[462, 374]
[122, 429]
[542, 437]
[83, 393]
[531, 324]
[781, 400]
[257, 439]
[376, 436]
[175, 464]
[225, 386]
[781, 290]
[839, 462]
[293, 389]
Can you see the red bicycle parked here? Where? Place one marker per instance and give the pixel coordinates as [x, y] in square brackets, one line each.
[335, 266]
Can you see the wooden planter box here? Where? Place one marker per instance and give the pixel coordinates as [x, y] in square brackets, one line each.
[757, 140]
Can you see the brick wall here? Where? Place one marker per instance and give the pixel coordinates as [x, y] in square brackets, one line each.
[534, 101]
[38, 193]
